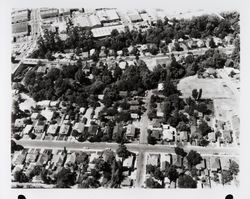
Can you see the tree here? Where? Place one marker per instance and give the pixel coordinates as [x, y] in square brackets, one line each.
[172, 173]
[75, 133]
[202, 107]
[123, 152]
[193, 158]
[195, 94]
[151, 183]
[234, 167]
[212, 43]
[158, 174]
[32, 136]
[204, 128]
[226, 176]
[180, 151]
[65, 178]
[203, 142]
[19, 176]
[17, 136]
[186, 181]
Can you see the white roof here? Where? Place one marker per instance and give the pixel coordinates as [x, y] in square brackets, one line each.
[105, 31]
[27, 129]
[48, 114]
[52, 129]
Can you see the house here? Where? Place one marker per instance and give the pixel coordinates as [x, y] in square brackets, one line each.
[156, 134]
[93, 156]
[108, 154]
[134, 108]
[43, 159]
[134, 102]
[38, 129]
[153, 159]
[134, 116]
[156, 123]
[64, 130]
[123, 94]
[79, 127]
[127, 182]
[19, 123]
[58, 160]
[211, 137]
[225, 163]
[183, 135]
[201, 166]
[32, 156]
[177, 160]
[37, 179]
[71, 159]
[160, 87]
[130, 131]
[165, 159]
[29, 169]
[129, 162]
[48, 114]
[122, 65]
[215, 163]
[34, 116]
[53, 129]
[117, 130]
[168, 132]
[93, 129]
[227, 136]
[27, 130]
[19, 157]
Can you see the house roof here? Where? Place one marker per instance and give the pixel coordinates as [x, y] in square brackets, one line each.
[79, 126]
[52, 129]
[215, 163]
[28, 128]
[130, 130]
[64, 129]
[153, 159]
[156, 134]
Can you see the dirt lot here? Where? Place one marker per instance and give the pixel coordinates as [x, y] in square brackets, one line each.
[211, 88]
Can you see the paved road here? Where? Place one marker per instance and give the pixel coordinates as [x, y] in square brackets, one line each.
[130, 146]
[35, 23]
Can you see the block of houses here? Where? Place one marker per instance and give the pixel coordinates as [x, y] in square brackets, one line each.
[64, 129]
[53, 129]
[28, 129]
[153, 159]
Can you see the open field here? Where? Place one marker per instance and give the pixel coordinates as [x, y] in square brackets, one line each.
[211, 88]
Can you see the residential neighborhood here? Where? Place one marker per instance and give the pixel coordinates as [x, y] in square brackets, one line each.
[107, 98]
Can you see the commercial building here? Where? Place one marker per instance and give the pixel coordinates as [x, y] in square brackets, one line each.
[106, 31]
[134, 16]
[20, 29]
[20, 15]
[49, 12]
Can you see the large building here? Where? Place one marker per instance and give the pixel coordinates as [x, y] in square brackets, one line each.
[20, 15]
[107, 15]
[49, 12]
[82, 20]
[20, 29]
[106, 31]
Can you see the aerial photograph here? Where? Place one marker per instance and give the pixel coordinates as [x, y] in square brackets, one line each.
[113, 98]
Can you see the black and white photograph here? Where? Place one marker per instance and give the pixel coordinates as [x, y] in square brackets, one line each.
[136, 98]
